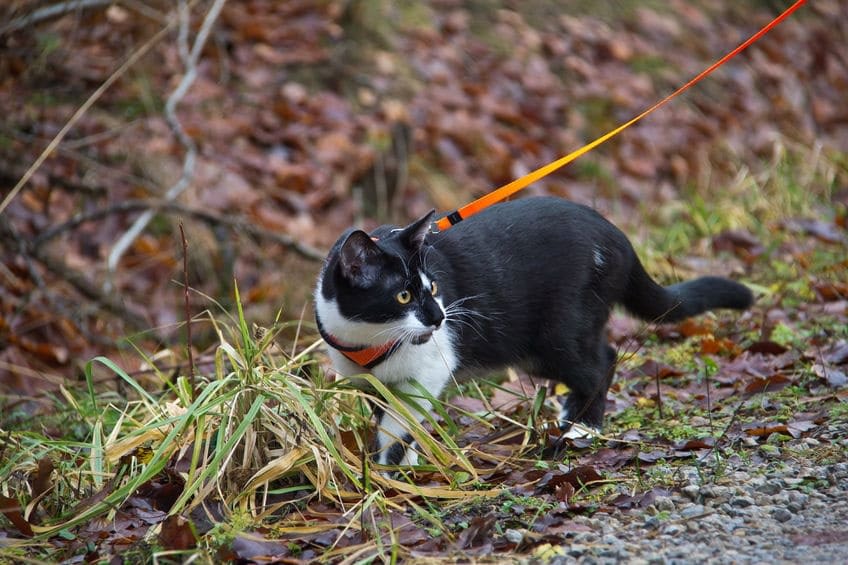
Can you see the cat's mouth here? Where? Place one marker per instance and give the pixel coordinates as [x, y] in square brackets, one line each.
[422, 338]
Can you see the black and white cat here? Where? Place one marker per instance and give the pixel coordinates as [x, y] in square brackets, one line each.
[527, 283]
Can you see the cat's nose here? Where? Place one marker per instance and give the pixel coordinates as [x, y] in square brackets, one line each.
[434, 315]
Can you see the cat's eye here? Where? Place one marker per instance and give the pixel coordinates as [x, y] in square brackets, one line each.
[434, 288]
[403, 296]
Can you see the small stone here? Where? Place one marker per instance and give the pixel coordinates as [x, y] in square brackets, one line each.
[798, 498]
[741, 501]
[689, 473]
[692, 492]
[672, 529]
[664, 504]
[514, 536]
[771, 487]
[652, 522]
[576, 550]
[782, 515]
[692, 511]
[586, 537]
[611, 540]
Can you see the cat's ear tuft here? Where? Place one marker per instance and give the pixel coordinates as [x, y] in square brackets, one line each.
[359, 259]
[413, 235]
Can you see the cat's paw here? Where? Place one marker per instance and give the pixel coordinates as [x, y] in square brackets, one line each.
[401, 454]
[579, 431]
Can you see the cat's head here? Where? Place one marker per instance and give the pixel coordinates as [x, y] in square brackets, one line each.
[376, 288]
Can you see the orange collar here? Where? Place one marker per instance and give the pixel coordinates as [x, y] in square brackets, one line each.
[367, 357]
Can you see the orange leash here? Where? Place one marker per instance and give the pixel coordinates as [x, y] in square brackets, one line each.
[511, 188]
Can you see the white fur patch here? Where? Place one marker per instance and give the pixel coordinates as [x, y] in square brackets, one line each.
[577, 430]
[430, 364]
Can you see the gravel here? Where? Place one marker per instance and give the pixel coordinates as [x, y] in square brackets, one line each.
[793, 509]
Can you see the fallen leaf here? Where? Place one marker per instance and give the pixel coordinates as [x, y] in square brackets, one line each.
[767, 384]
[837, 353]
[766, 348]
[835, 378]
[253, 547]
[797, 428]
[654, 368]
[477, 532]
[741, 243]
[696, 444]
[177, 534]
[831, 290]
[823, 231]
[760, 429]
[11, 509]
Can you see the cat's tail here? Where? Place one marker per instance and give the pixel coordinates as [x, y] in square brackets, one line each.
[651, 301]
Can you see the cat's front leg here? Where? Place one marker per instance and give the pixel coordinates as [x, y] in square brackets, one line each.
[395, 444]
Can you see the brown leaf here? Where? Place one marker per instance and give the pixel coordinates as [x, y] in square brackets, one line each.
[577, 478]
[640, 500]
[654, 368]
[252, 546]
[766, 348]
[41, 482]
[770, 383]
[563, 492]
[696, 326]
[741, 243]
[177, 534]
[831, 290]
[836, 354]
[12, 510]
[823, 231]
[710, 345]
[477, 532]
[835, 378]
[765, 429]
[163, 490]
[696, 444]
[797, 428]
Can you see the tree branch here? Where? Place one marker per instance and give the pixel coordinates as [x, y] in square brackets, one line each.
[190, 59]
[158, 206]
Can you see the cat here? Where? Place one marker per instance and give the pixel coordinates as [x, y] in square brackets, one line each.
[527, 283]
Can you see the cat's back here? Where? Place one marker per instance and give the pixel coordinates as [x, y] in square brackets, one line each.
[530, 227]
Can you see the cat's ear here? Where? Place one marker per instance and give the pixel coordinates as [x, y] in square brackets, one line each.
[360, 259]
[413, 235]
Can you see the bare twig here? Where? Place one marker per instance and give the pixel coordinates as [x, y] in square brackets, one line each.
[187, 309]
[235, 224]
[190, 59]
[61, 8]
[51, 11]
[131, 60]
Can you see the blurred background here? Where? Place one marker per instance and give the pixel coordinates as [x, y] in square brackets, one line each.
[268, 127]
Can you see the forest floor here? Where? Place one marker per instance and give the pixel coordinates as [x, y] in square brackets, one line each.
[725, 435]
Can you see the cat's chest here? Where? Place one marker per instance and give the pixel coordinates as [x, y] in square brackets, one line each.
[437, 357]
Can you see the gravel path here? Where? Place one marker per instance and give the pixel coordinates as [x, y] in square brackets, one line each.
[794, 509]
